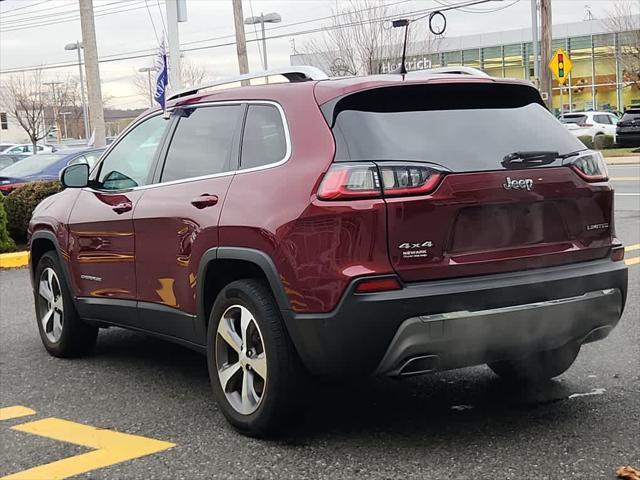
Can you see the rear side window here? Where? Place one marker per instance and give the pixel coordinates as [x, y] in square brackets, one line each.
[264, 140]
[202, 142]
[461, 127]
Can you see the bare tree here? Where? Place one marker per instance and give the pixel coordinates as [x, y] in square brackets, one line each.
[624, 19]
[192, 75]
[359, 39]
[24, 98]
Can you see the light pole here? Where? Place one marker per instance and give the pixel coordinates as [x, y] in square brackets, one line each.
[148, 71]
[262, 19]
[78, 46]
[64, 122]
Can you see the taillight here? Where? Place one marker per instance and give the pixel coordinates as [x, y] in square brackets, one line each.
[408, 179]
[617, 253]
[350, 181]
[366, 180]
[590, 165]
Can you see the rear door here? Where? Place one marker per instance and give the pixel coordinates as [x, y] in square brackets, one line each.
[177, 219]
[484, 214]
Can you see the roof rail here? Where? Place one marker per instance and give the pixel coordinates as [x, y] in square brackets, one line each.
[456, 70]
[299, 73]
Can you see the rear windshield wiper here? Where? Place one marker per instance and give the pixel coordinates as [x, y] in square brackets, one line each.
[530, 158]
[535, 158]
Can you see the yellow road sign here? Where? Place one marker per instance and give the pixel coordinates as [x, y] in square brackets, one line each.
[560, 65]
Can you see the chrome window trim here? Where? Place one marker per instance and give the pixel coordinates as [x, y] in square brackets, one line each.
[286, 158]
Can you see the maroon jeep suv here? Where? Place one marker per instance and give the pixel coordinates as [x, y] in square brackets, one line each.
[390, 225]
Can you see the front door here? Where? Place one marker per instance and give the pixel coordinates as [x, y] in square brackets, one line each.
[177, 219]
[101, 237]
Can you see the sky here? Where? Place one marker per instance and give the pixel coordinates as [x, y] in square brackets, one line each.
[34, 32]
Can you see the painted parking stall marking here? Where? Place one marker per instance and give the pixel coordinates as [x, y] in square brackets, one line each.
[632, 260]
[107, 446]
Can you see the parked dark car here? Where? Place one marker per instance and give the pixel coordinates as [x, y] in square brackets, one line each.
[628, 130]
[44, 166]
[337, 228]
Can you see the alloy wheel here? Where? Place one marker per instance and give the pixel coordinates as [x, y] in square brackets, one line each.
[241, 359]
[51, 306]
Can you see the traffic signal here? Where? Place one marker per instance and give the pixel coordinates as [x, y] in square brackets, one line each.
[560, 65]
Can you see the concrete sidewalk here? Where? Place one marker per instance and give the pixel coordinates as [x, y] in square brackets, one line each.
[627, 160]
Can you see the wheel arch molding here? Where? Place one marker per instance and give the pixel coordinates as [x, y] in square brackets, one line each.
[233, 263]
[41, 242]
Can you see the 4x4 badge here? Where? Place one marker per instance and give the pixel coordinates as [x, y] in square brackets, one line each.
[522, 184]
[411, 246]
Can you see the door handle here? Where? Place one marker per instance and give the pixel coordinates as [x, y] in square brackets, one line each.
[123, 207]
[205, 200]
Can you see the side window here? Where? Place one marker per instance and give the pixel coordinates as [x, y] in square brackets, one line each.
[202, 142]
[129, 163]
[264, 140]
[602, 119]
[613, 119]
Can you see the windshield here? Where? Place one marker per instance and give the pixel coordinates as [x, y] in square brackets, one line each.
[464, 133]
[31, 165]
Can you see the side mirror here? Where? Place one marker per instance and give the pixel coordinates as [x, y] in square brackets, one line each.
[75, 176]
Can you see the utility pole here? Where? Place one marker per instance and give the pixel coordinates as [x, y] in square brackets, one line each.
[241, 44]
[176, 12]
[535, 40]
[546, 27]
[92, 69]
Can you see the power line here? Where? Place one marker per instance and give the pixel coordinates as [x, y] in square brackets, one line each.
[128, 55]
[114, 10]
[478, 10]
[22, 8]
[30, 18]
[153, 25]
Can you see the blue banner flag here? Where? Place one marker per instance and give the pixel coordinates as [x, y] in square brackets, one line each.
[162, 74]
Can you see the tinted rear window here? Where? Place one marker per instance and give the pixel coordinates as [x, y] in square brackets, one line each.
[463, 127]
[633, 115]
[574, 119]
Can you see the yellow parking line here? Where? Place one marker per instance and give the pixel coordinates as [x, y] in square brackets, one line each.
[17, 411]
[110, 448]
[632, 261]
[631, 248]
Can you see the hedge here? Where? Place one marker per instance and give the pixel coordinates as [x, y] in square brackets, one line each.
[603, 141]
[6, 242]
[22, 201]
[587, 140]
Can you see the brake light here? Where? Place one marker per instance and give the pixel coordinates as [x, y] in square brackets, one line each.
[366, 180]
[373, 285]
[10, 187]
[591, 167]
[617, 253]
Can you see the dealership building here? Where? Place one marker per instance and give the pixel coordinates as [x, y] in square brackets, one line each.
[601, 58]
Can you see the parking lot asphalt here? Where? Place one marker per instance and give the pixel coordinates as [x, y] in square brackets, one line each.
[453, 425]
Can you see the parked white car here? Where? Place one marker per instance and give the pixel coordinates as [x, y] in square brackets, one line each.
[27, 148]
[590, 123]
[6, 146]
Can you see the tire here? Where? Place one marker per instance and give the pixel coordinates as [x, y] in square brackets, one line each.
[538, 367]
[62, 332]
[265, 366]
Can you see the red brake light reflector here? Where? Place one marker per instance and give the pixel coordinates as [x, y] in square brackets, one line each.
[373, 285]
[352, 181]
[617, 253]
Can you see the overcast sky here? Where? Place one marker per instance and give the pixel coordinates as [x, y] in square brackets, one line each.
[127, 26]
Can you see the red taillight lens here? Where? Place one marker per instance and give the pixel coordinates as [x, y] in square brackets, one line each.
[366, 180]
[408, 179]
[617, 253]
[9, 188]
[373, 285]
[350, 182]
[591, 166]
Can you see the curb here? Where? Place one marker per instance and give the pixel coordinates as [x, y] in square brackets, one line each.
[14, 259]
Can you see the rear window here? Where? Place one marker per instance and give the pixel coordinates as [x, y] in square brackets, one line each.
[462, 127]
[631, 115]
[574, 119]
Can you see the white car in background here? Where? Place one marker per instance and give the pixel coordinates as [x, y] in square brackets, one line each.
[27, 149]
[590, 123]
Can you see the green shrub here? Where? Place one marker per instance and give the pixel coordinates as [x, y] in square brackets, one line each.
[587, 140]
[22, 201]
[603, 141]
[6, 242]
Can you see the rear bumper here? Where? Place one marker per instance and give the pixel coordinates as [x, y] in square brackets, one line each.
[462, 322]
[631, 139]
